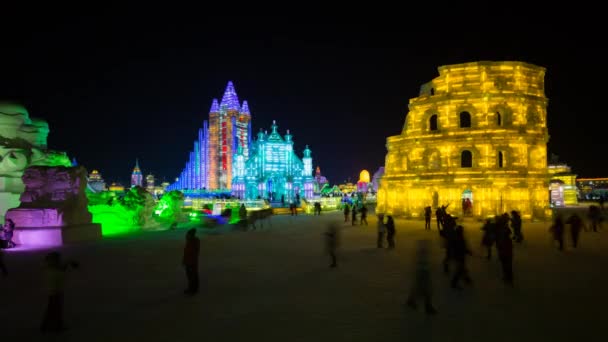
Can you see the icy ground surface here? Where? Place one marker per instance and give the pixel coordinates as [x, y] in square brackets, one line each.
[274, 284]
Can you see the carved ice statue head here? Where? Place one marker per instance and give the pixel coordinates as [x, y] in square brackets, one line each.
[12, 161]
[52, 186]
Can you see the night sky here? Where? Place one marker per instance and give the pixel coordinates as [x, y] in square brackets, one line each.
[123, 86]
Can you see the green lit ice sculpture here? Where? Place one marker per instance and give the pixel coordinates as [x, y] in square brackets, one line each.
[22, 144]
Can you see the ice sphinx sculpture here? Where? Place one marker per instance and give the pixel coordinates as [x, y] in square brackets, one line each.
[53, 208]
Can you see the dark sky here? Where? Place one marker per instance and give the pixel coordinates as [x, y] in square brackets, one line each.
[115, 87]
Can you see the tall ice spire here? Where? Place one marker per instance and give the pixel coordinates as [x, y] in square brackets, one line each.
[245, 108]
[215, 108]
[230, 100]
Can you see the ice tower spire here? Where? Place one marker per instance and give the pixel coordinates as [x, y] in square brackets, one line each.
[230, 100]
[215, 108]
[245, 108]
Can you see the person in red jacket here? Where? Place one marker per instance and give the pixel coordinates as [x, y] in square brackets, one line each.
[190, 261]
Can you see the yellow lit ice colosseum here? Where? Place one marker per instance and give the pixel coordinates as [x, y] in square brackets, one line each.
[478, 131]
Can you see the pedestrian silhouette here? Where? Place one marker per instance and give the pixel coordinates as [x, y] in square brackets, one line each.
[190, 261]
[422, 286]
[331, 243]
[55, 270]
[381, 230]
[390, 232]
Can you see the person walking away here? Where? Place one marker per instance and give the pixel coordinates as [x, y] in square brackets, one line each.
[558, 232]
[447, 234]
[516, 226]
[576, 224]
[354, 214]
[422, 287]
[460, 251]
[363, 215]
[381, 230]
[595, 216]
[427, 218]
[346, 212]
[439, 217]
[504, 244]
[489, 236]
[55, 270]
[190, 261]
[331, 243]
[390, 232]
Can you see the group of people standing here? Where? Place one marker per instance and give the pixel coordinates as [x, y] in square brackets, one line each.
[387, 228]
[351, 213]
[558, 228]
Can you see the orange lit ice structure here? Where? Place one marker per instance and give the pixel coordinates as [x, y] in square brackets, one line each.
[364, 182]
[478, 131]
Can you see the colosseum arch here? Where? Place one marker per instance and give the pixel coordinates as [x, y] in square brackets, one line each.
[461, 114]
[475, 156]
[500, 115]
[430, 124]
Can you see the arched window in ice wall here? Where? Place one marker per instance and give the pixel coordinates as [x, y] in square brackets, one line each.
[500, 159]
[433, 122]
[466, 159]
[465, 119]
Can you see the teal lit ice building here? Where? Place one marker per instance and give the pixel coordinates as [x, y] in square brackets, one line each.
[273, 169]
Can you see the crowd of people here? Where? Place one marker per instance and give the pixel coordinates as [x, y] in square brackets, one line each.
[501, 232]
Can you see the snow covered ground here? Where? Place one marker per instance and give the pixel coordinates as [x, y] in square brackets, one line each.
[274, 284]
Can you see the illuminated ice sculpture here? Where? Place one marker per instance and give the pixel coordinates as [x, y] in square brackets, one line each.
[478, 131]
[209, 165]
[53, 208]
[273, 170]
[22, 144]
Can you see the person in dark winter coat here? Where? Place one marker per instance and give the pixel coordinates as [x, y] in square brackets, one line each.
[516, 226]
[576, 224]
[459, 253]
[557, 229]
[390, 232]
[439, 216]
[489, 236]
[331, 244]
[346, 212]
[364, 215]
[353, 212]
[427, 218]
[422, 287]
[595, 216]
[504, 244]
[56, 270]
[381, 230]
[190, 261]
[447, 234]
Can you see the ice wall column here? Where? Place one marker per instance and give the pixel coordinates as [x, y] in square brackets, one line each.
[22, 143]
[53, 208]
[307, 173]
[238, 177]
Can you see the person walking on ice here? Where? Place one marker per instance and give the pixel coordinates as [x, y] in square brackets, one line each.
[422, 286]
